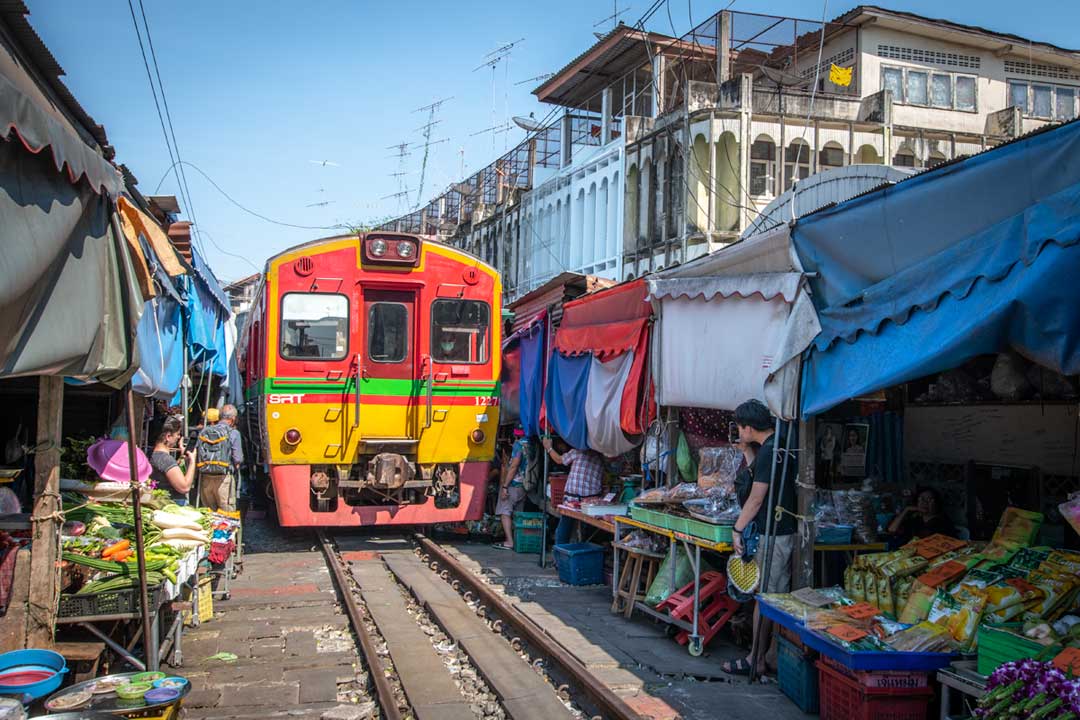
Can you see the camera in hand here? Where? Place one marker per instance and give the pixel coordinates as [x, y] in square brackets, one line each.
[192, 439]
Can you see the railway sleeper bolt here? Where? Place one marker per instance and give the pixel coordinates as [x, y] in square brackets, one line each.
[445, 574]
[456, 585]
[468, 596]
[563, 692]
[497, 625]
[424, 558]
[434, 565]
[481, 610]
[538, 664]
[516, 644]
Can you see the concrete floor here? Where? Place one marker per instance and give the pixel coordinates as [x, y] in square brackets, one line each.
[657, 676]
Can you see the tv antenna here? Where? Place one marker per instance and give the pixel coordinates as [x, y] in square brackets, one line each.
[494, 130]
[402, 153]
[614, 17]
[425, 130]
[539, 78]
[492, 60]
[324, 163]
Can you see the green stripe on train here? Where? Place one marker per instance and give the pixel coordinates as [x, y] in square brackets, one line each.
[383, 387]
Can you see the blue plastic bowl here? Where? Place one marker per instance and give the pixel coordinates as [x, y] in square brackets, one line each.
[33, 659]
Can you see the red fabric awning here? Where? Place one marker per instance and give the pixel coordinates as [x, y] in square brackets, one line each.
[607, 323]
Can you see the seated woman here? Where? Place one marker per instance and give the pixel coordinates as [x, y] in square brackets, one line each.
[923, 519]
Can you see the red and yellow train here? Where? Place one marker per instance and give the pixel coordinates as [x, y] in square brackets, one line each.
[371, 367]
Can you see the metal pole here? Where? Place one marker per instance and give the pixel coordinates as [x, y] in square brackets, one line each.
[766, 564]
[185, 390]
[140, 550]
[544, 481]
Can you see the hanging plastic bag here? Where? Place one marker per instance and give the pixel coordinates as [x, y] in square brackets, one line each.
[684, 458]
[662, 587]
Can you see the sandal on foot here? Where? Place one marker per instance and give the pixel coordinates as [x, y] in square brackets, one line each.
[738, 667]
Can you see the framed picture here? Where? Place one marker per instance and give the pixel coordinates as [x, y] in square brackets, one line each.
[853, 449]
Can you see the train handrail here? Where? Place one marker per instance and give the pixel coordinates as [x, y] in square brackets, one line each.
[356, 417]
[430, 382]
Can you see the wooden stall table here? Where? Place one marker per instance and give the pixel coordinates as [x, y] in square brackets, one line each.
[692, 546]
[596, 522]
[850, 550]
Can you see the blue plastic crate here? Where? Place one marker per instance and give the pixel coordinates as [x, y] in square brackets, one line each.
[797, 676]
[580, 563]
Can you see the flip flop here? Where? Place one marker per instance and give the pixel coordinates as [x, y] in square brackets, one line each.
[501, 546]
[739, 667]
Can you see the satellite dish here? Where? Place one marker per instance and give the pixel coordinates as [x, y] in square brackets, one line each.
[784, 79]
[528, 123]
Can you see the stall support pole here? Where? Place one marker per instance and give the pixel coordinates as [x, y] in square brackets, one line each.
[544, 481]
[149, 633]
[767, 544]
[46, 518]
[804, 558]
[185, 390]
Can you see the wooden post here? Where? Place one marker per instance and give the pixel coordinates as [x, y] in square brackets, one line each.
[804, 551]
[45, 554]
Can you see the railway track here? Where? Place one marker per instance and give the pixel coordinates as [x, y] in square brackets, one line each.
[440, 644]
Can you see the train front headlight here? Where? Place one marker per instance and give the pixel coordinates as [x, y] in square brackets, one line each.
[378, 248]
[405, 249]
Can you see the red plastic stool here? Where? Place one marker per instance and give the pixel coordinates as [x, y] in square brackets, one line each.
[717, 606]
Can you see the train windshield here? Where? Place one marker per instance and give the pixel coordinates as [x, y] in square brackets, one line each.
[314, 326]
[459, 331]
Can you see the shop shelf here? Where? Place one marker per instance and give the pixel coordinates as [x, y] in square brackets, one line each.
[797, 675]
[843, 698]
[997, 645]
[580, 563]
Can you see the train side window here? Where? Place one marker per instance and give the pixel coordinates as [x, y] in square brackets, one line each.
[388, 332]
[314, 326]
[459, 331]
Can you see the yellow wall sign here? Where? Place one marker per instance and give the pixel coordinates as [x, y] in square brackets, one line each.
[839, 75]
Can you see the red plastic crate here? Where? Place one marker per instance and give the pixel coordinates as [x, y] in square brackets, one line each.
[843, 698]
[557, 485]
[879, 679]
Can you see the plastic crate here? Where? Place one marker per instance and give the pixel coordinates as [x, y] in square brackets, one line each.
[580, 563]
[835, 535]
[878, 679]
[797, 676]
[205, 591]
[528, 540]
[111, 602]
[648, 515]
[556, 489]
[528, 520]
[678, 523]
[997, 645]
[843, 698]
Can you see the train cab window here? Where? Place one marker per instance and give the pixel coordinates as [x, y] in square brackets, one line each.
[388, 332]
[459, 331]
[314, 326]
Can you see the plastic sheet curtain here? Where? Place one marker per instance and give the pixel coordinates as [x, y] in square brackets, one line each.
[531, 388]
[596, 395]
[161, 349]
[926, 285]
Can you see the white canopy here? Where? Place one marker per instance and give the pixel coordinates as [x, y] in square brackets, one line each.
[732, 326]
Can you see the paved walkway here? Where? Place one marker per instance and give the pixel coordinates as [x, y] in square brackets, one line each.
[295, 655]
[655, 675]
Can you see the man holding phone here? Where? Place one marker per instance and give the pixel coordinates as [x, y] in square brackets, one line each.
[756, 438]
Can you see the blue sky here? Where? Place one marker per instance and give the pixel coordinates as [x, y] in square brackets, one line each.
[258, 90]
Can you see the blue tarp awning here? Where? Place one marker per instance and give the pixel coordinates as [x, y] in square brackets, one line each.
[161, 349]
[975, 259]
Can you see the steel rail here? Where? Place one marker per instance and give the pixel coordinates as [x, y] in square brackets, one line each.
[386, 698]
[608, 702]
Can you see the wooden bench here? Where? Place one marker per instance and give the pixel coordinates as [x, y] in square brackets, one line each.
[82, 657]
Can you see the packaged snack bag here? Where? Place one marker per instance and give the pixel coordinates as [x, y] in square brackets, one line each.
[1017, 528]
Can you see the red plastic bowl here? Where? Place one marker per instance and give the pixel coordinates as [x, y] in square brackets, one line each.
[25, 677]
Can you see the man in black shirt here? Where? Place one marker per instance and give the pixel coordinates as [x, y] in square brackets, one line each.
[756, 428]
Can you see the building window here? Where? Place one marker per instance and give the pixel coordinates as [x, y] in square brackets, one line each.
[941, 90]
[1018, 95]
[388, 332]
[314, 326]
[1042, 100]
[830, 157]
[762, 168]
[893, 79]
[459, 331]
[904, 158]
[965, 92]
[1065, 104]
[916, 88]
[796, 163]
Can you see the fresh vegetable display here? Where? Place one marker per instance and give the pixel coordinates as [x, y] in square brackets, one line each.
[1032, 690]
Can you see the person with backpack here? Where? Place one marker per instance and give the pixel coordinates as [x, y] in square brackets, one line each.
[512, 487]
[220, 455]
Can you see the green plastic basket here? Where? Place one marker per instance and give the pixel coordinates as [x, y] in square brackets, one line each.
[528, 519]
[997, 645]
[677, 523]
[528, 540]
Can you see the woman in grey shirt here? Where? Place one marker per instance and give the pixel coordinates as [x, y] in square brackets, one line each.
[165, 472]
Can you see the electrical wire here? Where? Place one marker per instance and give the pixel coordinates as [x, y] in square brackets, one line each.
[230, 254]
[172, 132]
[248, 210]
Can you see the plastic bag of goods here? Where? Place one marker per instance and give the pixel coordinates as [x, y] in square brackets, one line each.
[718, 467]
[662, 587]
[960, 614]
[1070, 510]
[1008, 379]
[1017, 528]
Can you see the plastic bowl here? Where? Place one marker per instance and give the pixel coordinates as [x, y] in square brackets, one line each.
[158, 696]
[29, 661]
[20, 678]
[147, 677]
[175, 682]
[133, 691]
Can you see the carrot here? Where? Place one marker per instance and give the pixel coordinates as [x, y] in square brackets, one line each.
[122, 555]
[115, 548]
